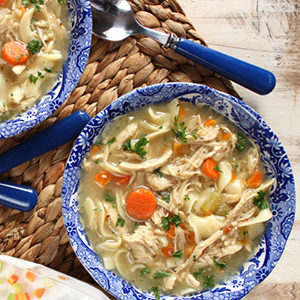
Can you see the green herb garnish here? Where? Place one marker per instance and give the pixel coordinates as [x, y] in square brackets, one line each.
[34, 46]
[155, 292]
[219, 264]
[165, 223]
[208, 281]
[138, 147]
[166, 197]
[97, 209]
[114, 205]
[19, 56]
[40, 75]
[48, 70]
[61, 2]
[32, 78]
[217, 168]
[136, 225]
[145, 271]
[180, 129]
[178, 254]
[120, 221]
[260, 201]
[108, 196]
[158, 172]
[160, 274]
[176, 220]
[241, 144]
[187, 197]
[198, 273]
[111, 141]
[194, 258]
[245, 232]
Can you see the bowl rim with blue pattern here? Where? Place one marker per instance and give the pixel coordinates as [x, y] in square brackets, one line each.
[282, 198]
[80, 17]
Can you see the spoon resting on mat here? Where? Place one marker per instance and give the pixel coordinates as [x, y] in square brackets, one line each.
[114, 20]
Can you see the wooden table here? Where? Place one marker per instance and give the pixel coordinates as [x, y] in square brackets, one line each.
[266, 33]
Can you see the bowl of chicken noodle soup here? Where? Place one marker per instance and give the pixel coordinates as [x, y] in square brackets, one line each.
[178, 190]
[44, 48]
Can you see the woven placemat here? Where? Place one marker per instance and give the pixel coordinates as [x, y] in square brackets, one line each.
[114, 68]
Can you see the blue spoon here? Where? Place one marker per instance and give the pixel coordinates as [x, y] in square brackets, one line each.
[24, 198]
[114, 20]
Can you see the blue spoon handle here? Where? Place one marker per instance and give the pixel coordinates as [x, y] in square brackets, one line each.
[252, 77]
[48, 139]
[17, 196]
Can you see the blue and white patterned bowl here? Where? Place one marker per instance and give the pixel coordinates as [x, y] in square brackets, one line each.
[275, 159]
[80, 40]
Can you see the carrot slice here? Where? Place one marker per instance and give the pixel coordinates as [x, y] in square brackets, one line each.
[171, 231]
[209, 168]
[13, 279]
[180, 149]
[95, 149]
[168, 251]
[225, 135]
[23, 10]
[103, 178]
[23, 296]
[233, 177]
[62, 277]
[210, 122]
[38, 293]
[2, 2]
[190, 237]
[30, 276]
[141, 204]
[122, 180]
[181, 113]
[228, 229]
[255, 180]
[15, 53]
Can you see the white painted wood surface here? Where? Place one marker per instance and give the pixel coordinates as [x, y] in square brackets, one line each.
[266, 33]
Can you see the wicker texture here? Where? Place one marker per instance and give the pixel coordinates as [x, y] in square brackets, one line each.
[113, 70]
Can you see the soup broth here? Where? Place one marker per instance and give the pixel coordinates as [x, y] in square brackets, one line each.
[34, 38]
[173, 197]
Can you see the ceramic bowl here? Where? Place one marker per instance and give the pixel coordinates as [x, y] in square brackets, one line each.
[282, 199]
[79, 48]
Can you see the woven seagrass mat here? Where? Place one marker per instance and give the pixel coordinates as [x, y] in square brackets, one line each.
[114, 68]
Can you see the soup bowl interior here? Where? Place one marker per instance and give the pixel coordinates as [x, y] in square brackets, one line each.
[80, 18]
[282, 198]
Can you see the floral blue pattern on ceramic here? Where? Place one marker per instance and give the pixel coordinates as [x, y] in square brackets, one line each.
[282, 199]
[78, 53]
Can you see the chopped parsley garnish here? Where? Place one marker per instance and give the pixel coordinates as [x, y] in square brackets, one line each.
[208, 281]
[111, 141]
[158, 172]
[187, 197]
[97, 209]
[219, 264]
[114, 205]
[160, 274]
[217, 168]
[260, 201]
[155, 292]
[198, 273]
[166, 197]
[180, 129]
[166, 221]
[11, 94]
[120, 221]
[97, 161]
[145, 271]
[108, 196]
[245, 232]
[136, 225]
[32, 78]
[160, 127]
[40, 74]
[194, 258]
[61, 2]
[19, 56]
[178, 254]
[34, 46]
[48, 70]
[241, 144]
[35, 3]
[176, 220]
[138, 147]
